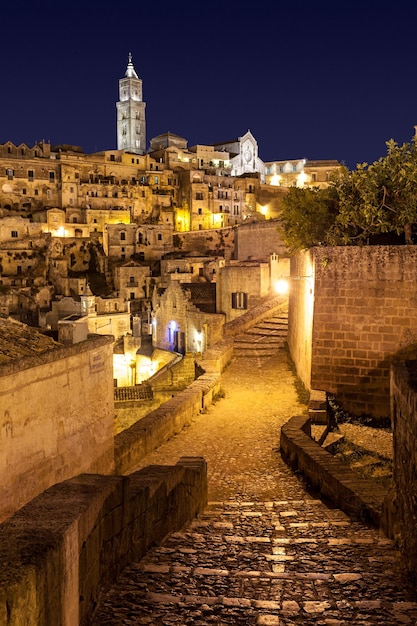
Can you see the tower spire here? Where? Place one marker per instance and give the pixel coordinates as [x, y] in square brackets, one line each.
[131, 121]
[130, 70]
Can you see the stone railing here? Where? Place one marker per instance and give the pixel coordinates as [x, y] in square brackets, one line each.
[356, 496]
[69, 543]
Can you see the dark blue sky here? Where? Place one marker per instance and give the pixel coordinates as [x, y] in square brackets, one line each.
[314, 81]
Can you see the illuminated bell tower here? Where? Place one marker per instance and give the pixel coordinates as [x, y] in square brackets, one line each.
[131, 124]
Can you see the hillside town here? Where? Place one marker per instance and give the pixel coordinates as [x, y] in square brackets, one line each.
[110, 243]
[138, 287]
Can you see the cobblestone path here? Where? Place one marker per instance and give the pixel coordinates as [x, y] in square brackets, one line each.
[265, 551]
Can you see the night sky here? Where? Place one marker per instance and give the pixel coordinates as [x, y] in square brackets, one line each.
[315, 80]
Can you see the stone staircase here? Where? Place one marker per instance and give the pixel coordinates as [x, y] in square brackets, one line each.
[263, 339]
[266, 563]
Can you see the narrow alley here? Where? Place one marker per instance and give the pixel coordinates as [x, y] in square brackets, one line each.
[265, 551]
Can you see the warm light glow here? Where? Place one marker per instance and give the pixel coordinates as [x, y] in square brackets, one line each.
[301, 179]
[281, 287]
[275, 180]
[217, 219]
[263, 210]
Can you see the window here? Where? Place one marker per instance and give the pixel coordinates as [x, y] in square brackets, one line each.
[14, 233]
[132, 295]
[24, 192]
[200, 211]
[122, 236]
[31, 175]
[314, 177]
[239, 300]
[199, 195]
[131, 279]
[156, 180]
[51, 177]
[159, 237]
[10, 173]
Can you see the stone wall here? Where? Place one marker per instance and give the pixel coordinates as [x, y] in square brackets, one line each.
[357, 496]
[364, 312]
[258, 240]
[300, 316]
[57, 419]
[134, 443]
[73, 540]
[219, 241]
[404, 422]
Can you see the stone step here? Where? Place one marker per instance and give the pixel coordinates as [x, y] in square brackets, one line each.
[265, 563]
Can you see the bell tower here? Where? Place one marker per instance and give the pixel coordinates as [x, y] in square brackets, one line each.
[131, 124]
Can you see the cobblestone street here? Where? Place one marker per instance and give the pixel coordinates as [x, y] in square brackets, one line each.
[265, 551]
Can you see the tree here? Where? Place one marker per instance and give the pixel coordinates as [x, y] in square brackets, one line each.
[359, 207]
[307, 215]
[379, 198]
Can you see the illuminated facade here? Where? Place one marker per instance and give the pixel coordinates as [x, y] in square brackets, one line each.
[131, 123]
[300, 173]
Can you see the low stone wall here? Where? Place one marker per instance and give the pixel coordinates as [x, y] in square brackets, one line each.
[255, 315]
[354, 495]
[133, 444]
[62, 548]
[404, 425]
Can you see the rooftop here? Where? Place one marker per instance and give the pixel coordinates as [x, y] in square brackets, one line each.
[18, 340]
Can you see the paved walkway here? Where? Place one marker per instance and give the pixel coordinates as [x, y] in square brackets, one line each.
[265, 551]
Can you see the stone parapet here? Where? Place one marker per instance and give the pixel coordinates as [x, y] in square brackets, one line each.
[353, 494]
[60, 550]
[255, 315]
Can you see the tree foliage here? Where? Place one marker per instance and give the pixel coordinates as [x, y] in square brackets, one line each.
[307, 215]
[360, 206]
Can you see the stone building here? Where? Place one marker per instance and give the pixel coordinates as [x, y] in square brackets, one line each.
[57, 412]
[301, 172]
[132, 281]
[190, 269]
[184, 320]
[242, 285]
